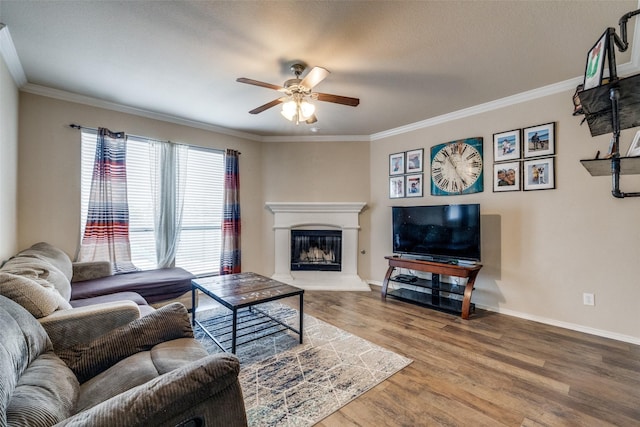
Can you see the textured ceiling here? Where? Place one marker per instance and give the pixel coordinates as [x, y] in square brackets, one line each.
[406, 61]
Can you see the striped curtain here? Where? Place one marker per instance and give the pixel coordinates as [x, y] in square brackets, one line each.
[230, 253]
[106, 234]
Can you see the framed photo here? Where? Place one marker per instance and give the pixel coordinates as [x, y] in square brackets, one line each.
[396, 187]
[634, 148]
[506, 177]
[414, 161]
[506, 145]
[540, 140]
[414, 185]
[595, 62]
[539, 174]
[396, 164]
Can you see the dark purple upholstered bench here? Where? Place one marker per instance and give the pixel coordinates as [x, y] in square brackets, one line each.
[157, 287]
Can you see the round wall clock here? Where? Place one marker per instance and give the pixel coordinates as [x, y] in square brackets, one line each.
[457, 167]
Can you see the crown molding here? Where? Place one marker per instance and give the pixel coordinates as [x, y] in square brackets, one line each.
[623, 70]
[10, 56]
[94, 102]
[107, 105]
[481, 108]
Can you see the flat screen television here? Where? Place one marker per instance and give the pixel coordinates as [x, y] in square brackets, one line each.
[440, 233]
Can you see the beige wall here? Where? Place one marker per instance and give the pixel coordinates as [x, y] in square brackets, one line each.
[8, 163]
[49, 173]
[541, 249]
[316, 172]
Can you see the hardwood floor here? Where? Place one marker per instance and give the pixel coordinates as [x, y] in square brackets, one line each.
[490, 370]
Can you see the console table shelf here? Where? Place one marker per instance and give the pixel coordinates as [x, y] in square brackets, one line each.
[434, 289]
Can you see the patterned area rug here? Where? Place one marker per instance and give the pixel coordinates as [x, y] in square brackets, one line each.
[286, 383]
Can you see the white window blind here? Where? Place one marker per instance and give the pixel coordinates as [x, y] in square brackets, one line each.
[200, 237]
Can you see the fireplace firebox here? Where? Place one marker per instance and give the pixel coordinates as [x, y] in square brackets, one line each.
[316, 250]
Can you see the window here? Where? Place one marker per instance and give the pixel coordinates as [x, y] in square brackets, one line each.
[200, 235]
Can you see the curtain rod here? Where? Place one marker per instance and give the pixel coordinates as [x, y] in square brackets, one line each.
[80, 127]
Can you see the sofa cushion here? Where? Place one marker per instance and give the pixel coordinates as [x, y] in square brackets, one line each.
[170, 355]
[23, 340]
[138, 369]
[44, 263]
[167, 323]
[153, 285]
[39, 298]
[51, 254]
[144, 308]
[46, 393]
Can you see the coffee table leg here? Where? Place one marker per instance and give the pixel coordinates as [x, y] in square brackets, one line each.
[301, 316]
[193, 305]
[234, 330]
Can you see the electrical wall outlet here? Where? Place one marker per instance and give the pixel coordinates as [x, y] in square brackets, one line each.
[588, 299]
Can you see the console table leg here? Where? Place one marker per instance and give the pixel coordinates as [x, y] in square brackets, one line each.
[466, 299]
[385, 282]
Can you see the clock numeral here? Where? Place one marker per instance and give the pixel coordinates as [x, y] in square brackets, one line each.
[442, 181]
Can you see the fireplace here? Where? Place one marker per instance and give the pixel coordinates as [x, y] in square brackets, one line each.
[318, 272]
[316, 250]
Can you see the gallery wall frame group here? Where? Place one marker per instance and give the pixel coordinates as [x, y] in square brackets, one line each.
[524, 159]
[406, 177]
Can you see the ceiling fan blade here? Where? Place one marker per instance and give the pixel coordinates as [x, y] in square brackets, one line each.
[315, 76]
[268, 105]
[258, 83]
[311, 120]
[337, 99]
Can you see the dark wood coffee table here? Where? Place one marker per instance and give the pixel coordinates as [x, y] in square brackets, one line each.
[240, 291]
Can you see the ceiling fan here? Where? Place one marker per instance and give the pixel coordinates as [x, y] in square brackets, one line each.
[297, 94]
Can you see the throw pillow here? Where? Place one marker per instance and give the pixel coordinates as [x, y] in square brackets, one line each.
[40, 299]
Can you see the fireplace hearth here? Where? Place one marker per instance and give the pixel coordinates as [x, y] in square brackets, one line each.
[316, 250]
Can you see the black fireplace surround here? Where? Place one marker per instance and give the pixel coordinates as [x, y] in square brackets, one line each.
[316, 250]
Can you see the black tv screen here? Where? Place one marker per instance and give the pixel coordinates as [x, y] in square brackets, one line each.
[443, 232]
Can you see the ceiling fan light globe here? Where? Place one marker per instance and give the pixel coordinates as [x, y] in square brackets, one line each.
[307, 109]
[289, 109]
[287, 115]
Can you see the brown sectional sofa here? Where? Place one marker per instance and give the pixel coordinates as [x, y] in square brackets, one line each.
[157, 287]
[149, 372]
[99, 354]
[43, 279]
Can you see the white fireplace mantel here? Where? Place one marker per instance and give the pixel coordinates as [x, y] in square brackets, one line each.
[320, 215]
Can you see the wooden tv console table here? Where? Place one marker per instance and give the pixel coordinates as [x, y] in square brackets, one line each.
[434, 299]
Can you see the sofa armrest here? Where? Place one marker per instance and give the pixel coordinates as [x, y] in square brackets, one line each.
[91, 270]
[165, 324]
[81, 325]
[207, 390]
